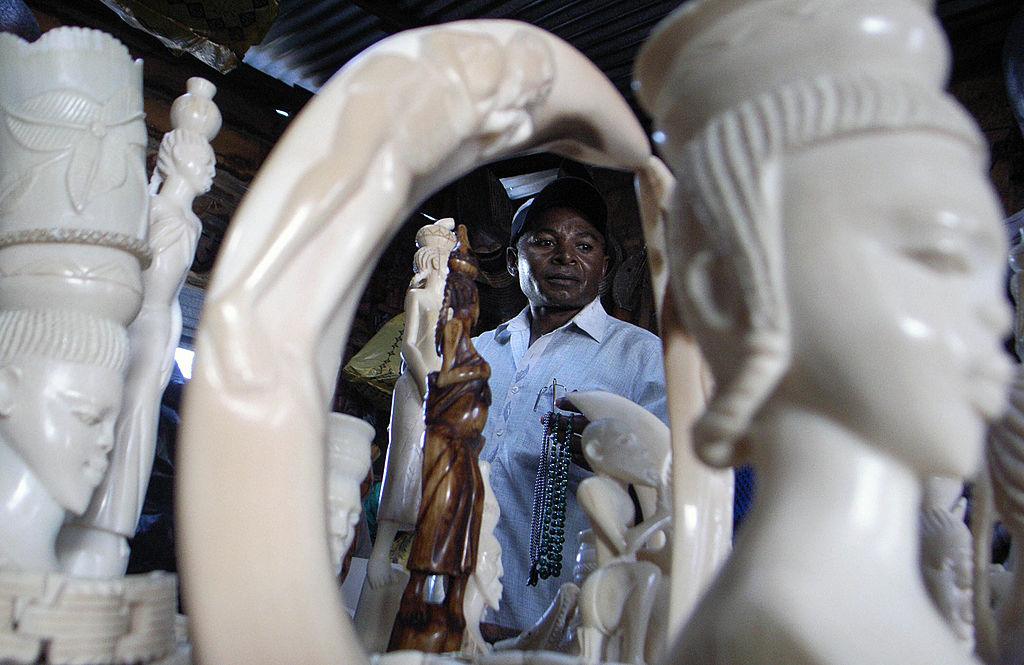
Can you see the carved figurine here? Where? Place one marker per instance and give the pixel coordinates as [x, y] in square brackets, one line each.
[95, 545]
[1016, 282]
[408, 116]
[72, 252]
[484, 587]
[946, 558]
[625, 446]
[838, 260]
[400, 489]
[348, 461]
[443, 552]
[1006, 465]
[72, 248]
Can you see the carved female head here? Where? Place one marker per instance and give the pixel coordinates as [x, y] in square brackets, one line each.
[434, 242]
[837, 227]
[61, 380]
[348, 462]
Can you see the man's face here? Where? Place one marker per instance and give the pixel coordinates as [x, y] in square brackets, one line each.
[560, 261]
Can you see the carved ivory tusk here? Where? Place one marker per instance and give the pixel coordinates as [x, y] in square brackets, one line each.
[402, 120]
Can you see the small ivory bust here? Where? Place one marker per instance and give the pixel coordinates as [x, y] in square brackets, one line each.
[61, 381]
[348, 461]
[840, 263]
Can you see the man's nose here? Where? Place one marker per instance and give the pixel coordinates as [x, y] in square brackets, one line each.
[565, 253]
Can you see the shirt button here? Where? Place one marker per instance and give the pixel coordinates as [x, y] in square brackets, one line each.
[515, 389]
[499, 432]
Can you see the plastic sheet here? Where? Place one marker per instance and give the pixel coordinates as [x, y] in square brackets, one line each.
[377, 366]
[217, 32]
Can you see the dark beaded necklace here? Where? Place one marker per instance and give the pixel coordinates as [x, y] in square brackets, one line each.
[547, 526]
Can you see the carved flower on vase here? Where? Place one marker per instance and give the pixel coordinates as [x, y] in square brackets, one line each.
[94, 138]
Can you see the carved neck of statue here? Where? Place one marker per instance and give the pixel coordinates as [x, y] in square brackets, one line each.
[815, 477]
[29, 529]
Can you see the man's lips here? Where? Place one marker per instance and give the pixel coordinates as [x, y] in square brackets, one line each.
[559, 278]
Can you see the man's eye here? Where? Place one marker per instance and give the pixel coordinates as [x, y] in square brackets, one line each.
[584, 246]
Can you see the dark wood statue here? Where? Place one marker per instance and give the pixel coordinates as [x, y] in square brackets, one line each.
[443, 553]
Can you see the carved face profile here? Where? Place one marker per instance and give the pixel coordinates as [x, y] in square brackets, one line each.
[894, 262]
[59, 418]
[343, 506]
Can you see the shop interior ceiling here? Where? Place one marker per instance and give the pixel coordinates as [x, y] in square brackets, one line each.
[312, 39]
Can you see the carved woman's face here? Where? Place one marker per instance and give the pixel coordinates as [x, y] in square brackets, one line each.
[895, 259]
[344, 506]
[59, 418]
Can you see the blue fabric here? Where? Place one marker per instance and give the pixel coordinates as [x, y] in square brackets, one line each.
[594, 351]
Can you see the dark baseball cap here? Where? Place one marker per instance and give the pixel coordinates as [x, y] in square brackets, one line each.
[568, 192]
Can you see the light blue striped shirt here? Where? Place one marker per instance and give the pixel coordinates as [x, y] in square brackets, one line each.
[593, 351]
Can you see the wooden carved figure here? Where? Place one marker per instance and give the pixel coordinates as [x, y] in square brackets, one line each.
[443, 553]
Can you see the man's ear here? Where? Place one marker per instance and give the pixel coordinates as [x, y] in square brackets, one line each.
[10, 377]
[512, 261]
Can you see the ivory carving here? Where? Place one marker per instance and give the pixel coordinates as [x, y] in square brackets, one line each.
[96, 544]
[401, 487]
[72, 248]
[1006, 466]
[66, 620]
[348, 461]
[946, 557]
[625, 445]
[443, 553]
[787, 122]
[77, 264]
[408, 116]
[484, 587]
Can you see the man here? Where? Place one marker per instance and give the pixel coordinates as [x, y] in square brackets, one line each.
[558, 253]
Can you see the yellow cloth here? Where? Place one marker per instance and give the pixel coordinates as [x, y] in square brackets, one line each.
[376, 367]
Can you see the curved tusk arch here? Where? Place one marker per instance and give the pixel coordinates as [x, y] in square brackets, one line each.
[406, 117]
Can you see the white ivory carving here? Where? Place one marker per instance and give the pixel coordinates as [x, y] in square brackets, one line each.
[703, 540]
[348, 461]
[70, 621]
[400, 487]
[787, 123]
[483, 590]
[72, 247]
[946, 556]
[96, 544]
[625, 445]
[408, 116]
[555, 630]
[1006, 466]
[1016, 282]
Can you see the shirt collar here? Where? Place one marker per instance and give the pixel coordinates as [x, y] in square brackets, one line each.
[592, 320]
